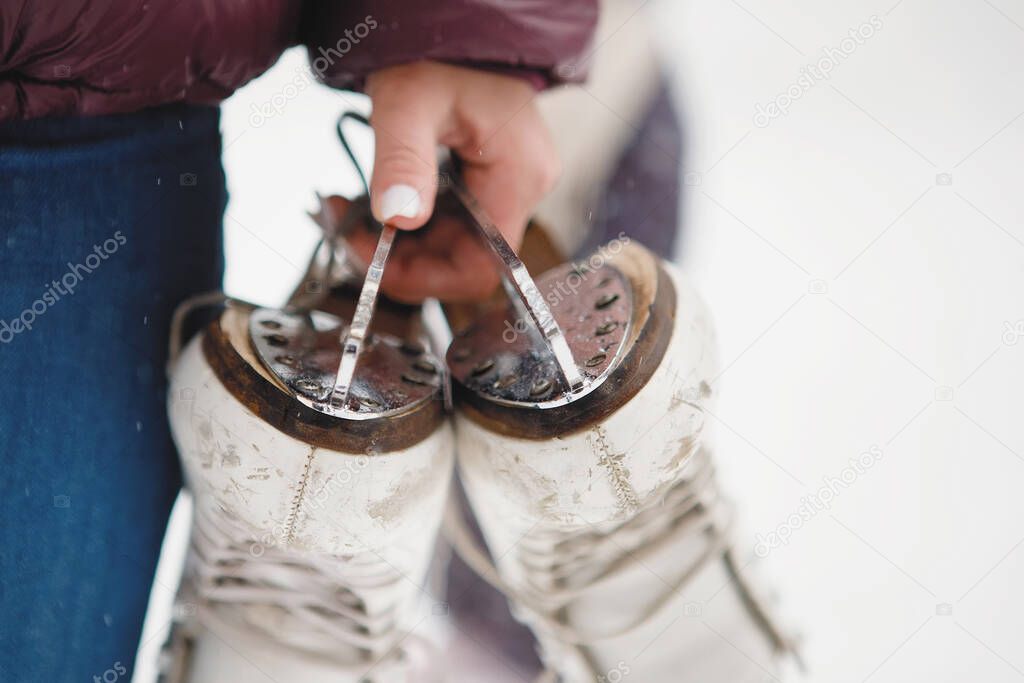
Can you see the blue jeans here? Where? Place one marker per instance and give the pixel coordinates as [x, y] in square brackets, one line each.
[105, 224]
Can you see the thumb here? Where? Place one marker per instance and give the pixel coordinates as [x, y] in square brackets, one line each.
[404, 181]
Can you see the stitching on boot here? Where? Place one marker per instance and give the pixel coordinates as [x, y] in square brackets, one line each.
[293, 514]
[612, 462]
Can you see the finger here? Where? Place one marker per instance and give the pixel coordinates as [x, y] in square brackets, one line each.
[454, 267]
[404, 180]
[447, 262]
[512, 173]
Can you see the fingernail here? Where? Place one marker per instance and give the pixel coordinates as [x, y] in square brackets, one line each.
[399, 200]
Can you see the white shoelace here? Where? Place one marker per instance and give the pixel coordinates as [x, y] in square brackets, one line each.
[559, 568]
[306, 602]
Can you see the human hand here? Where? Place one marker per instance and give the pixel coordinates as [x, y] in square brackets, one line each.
[508, 161]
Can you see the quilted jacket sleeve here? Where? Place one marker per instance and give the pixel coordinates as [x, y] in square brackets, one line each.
[548, 39]
[87, 57]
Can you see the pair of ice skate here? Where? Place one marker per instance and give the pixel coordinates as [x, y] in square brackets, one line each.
[317, 504]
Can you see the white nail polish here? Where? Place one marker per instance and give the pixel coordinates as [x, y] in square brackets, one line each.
[400, 200]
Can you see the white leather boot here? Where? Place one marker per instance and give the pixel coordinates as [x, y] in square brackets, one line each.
[599, 504]
[315, 518]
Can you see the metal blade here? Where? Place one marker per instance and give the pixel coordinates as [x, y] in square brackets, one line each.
[352, 341]
[525, 288]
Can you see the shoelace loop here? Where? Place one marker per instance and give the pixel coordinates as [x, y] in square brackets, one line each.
[307, 602]
[562, 567]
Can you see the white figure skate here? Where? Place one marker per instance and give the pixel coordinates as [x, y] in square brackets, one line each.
[581, 444]
[316, 504]
[318, 489]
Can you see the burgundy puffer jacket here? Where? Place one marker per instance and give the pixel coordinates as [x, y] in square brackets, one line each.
[86, 57]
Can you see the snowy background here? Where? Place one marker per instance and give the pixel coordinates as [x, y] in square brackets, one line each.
[863, 254]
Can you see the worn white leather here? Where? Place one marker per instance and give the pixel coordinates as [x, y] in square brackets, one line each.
[532, 497]
[310, 522]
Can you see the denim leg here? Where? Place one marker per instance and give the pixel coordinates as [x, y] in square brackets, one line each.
[105, 224]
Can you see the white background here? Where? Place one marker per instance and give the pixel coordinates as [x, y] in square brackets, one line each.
[861, 301]
[918, 281]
